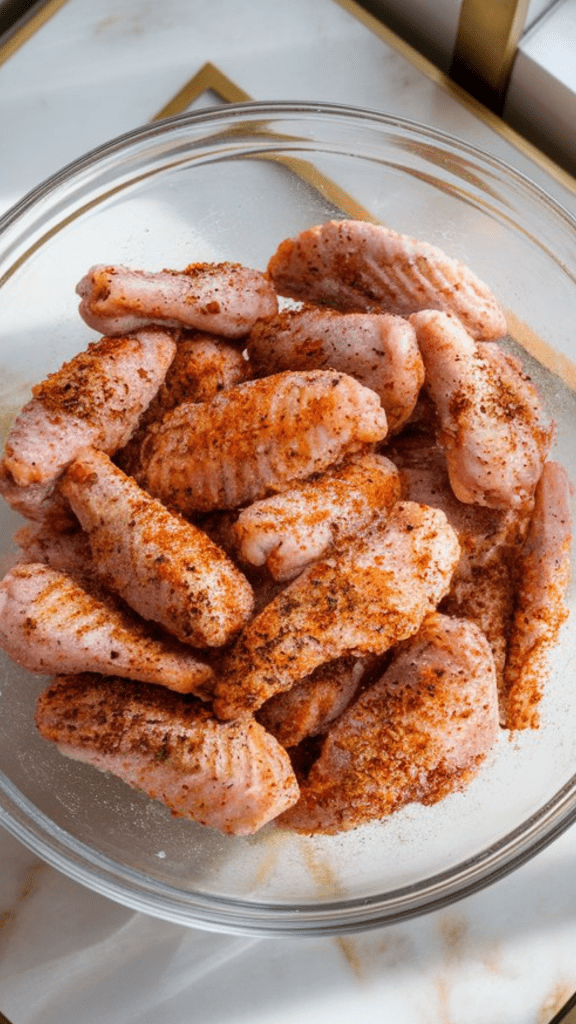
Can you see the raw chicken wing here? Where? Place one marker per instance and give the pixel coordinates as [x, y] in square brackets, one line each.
[543, 574]
[482, 587]
[95, 399]
[379, 350]
[204, 365]
[222, 298]
[50, 622]
[418, 734]
[309, 707]
[289, 531]
[165, 568]
[233, 777]
[66, 550]
[354, 265]
[369, 594]
[258, 438]
[492, 423]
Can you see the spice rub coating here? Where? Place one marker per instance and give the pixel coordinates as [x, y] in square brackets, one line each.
[165, 568]
[222, 298]
[418, 734]
[233, 776]
[51, 622]
[492, 423]
[379, 350]
[362, 598]
[259, 438]
[288, 531]
[482, 587]
[309, 707]
[542, 577]
[66, 550]
[354, 265]
[94, 399]
[203, 366]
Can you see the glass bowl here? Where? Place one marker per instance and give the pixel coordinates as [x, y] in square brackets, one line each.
[229, 184]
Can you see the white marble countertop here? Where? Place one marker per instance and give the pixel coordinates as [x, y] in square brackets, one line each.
[68, 955]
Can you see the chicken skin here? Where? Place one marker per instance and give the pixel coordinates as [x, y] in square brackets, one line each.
[418, 734]
[482, 587]
[289, 531]
[302, 566]
[165, 568]
[232, 777]
[203, 366]
[543, 573]
[309, 707]
[222, 298]
[65, 550]
[492, 424]
[259, 438]
[94, 399]
[354, 265]
[362, 598]
[379, 350]
[50, 622]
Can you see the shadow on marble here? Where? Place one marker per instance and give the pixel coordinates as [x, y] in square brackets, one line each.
[67, 947]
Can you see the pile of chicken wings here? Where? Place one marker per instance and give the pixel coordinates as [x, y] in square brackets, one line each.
[294, 548]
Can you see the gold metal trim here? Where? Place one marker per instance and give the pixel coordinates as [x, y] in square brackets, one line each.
[208, 79]
[221, 84]
[28, 29]
[486, 45]
[474, 106]
[558, 364]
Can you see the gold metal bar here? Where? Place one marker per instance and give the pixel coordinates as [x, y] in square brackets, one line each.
[474, 105]
[208, 79]
[211, 79]
[26, 30]
[486, 44]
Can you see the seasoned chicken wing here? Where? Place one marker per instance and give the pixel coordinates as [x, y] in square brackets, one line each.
[94, 399]
[418, 734]
[288, 531]
[66, 550]
[203, 366]
[363, 598]
[354, 265]
[231, 776]
[492, 424]
[222, 298]
[379, 350]
[309, 707]
[543, 573]
[165, 568]
[258, 438]
[482, 587]
[50, 622]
